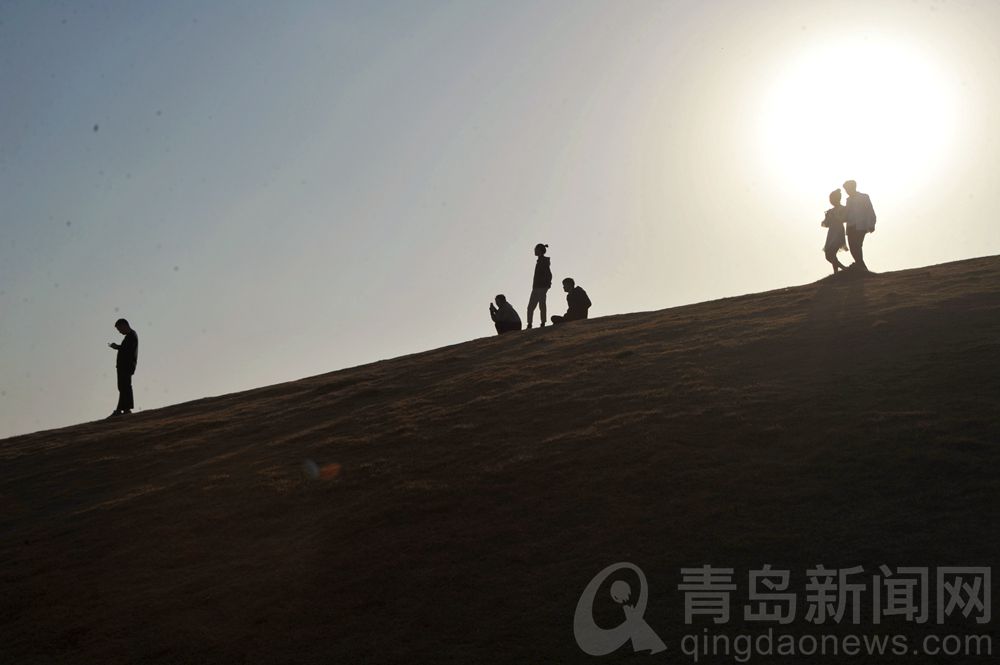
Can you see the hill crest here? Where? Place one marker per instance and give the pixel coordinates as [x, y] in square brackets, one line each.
[484, 483]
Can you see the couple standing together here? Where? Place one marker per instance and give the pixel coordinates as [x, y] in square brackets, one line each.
[859, 218]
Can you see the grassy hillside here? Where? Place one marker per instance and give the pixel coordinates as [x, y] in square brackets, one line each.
[846, 422]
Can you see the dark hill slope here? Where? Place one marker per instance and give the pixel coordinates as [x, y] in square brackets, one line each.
[847, 422]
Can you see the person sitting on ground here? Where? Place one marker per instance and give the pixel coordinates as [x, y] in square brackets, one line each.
[835, 238]
[504, 316]
[576, 300]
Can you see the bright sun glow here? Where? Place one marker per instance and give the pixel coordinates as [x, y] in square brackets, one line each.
[880, 113]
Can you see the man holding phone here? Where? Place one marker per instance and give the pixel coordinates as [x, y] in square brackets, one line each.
[128, 357]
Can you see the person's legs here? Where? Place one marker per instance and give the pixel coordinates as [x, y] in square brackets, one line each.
[855, 242]
[532, 302]
[125, 398]
[541, 303]
[834, 261]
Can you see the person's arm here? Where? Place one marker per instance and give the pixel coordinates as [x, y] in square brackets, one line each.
[129, 354]
[850, 215]
[114, 346]
[129, 345]
[573, 303]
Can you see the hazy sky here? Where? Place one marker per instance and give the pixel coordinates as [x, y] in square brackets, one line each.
[275, 190]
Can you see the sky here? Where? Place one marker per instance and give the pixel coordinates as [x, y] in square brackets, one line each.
[269, 191]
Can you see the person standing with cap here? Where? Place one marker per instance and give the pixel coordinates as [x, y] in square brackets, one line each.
[540, 285]
[128, 357]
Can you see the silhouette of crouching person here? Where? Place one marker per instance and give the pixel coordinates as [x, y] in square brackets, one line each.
[504, 316]
[577, 301]
[128, 356]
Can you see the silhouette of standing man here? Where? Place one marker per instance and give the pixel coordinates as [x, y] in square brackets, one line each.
[860, 220]
[541, 283]
[128, 357]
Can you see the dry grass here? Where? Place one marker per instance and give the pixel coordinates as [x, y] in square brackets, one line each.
[847, 422]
